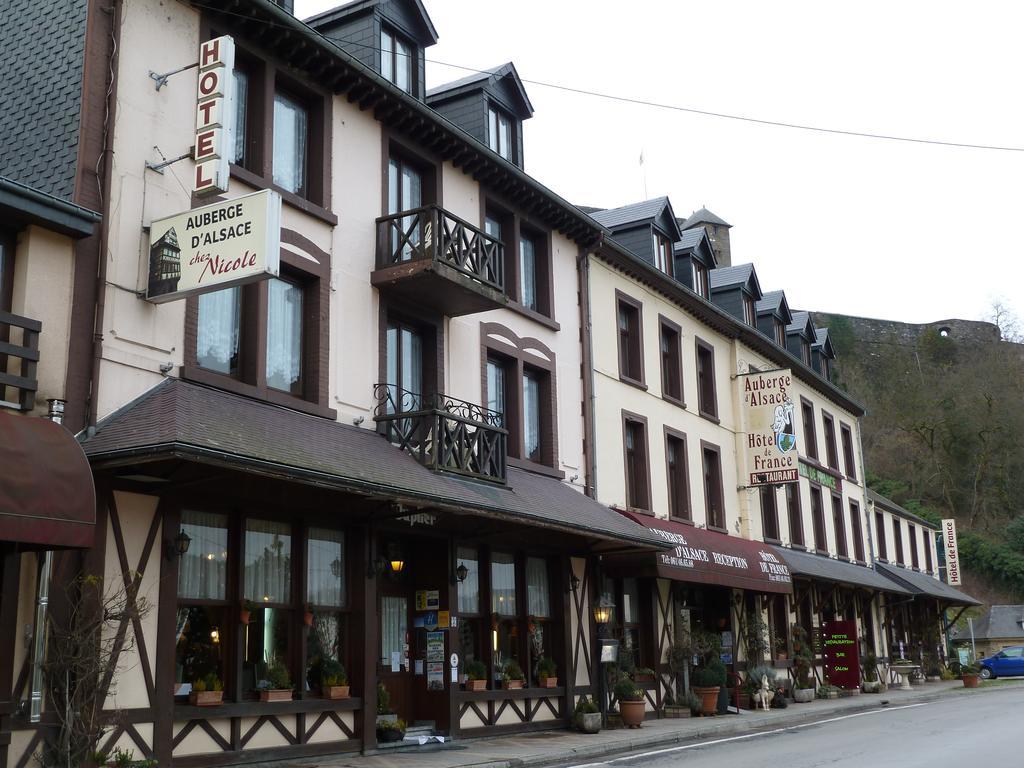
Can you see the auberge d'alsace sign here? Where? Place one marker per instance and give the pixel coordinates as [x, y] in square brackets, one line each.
[216, 246]
[768, 419]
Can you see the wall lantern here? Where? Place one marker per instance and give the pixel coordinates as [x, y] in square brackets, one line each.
[395, 558]
[461, 572]
[603, 610]
[178, 546]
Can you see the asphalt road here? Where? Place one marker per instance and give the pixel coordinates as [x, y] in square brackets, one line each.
[974, 731]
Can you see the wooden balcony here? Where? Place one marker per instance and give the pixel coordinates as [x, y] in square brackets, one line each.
[433, 258]
[443, 433]
[19, 356]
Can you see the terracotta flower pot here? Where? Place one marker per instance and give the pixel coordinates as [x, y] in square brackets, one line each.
[476, 685]
[971, 681]
[632, 713]
[205, 698]
[549, 682]
[708, 699]
[512, 685]
[276, 694]
[335, 692]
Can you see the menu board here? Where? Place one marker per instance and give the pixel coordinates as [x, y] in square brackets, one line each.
[842, 660]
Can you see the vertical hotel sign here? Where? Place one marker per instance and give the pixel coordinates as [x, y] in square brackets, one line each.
[215, 115]
[769, 430]
[952, 552]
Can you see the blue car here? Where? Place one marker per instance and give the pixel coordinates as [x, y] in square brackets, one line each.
[1008, 662]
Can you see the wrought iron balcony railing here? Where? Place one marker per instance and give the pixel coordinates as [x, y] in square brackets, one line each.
[444, 433]
[434, 234]
[19, 355]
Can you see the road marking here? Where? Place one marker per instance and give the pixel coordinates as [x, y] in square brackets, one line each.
[745, 736]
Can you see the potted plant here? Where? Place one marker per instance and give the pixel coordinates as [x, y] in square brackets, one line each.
[871, 682]
[547, 672]
[512, 675]
[827, 691]
[643, 675]
[803, 659]
[384, 713]
[390, 730]
[276, 684]
[588, 716]
[121, 758]
[707, 680]
[248, 606]
[476, 676]
[333, 680]
[971, 675]
[207, 691]
[631, 702]
[672, 708]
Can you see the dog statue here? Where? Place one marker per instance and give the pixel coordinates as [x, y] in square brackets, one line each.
[763, 696]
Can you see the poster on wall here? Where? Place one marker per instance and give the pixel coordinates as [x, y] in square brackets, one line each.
[435, 661]
[842, 660]
[427, 599]
[769, 427]
[216, 246]
[951, 551]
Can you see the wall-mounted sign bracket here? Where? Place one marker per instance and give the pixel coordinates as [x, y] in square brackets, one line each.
[159, 167]
[161, 80]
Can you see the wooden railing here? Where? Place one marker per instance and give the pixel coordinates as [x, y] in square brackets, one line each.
[19, 356]
[444, 433]
[433, 233]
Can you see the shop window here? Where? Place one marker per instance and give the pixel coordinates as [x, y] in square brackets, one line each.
[810, 436]
[326, 596]
[778, 625]
[678, 475]
[818, 519]
[631, 622]
[846, 437]
[897, 539]
[839, 523]
[396, 60]
[199, 653]
[671, 362]
[394, 629]
[468, 606]
[914, 562]
[268, 557]
[880, 533]
[630, 338]
[830, 441]
[796, 521]
[707, 400]
[634, 433]
[858, 532]
[714, 496]
[504, 608]
[769, 514]
[538, 598]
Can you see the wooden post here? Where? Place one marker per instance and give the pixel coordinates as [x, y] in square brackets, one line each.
[10, 574]
[366, 642]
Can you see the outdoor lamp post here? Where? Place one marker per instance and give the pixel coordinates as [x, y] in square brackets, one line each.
[604, 609]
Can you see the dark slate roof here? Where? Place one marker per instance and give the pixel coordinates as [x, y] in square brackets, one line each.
[197, 422]
[358, 6]
[922, 584]
[21, 205]
[703, 216]
[838, 571]
[1001, 621]
[737, 275]
[478, 80]
[892, 506]
[774, 301]
[822, 340]
[634, 213]
[801, 320]
[41, 59]
[690, 239]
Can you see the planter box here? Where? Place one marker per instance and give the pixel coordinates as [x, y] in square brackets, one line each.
[803, 695]
[206, 698]
[476, 685]
[513, 685]
[276, 694]
[708, 699]
[674, 711]
[335, 692]
[589, 722]
[632, 713]
[744, 701]
[549, 682]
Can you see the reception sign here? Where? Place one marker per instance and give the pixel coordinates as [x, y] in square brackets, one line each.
[769, 429]
[952, 551]
[842, 659]
[228, 243]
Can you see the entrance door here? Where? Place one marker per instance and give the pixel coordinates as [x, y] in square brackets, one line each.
[394, 653]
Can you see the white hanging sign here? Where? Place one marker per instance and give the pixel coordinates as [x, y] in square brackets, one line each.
[215, 115]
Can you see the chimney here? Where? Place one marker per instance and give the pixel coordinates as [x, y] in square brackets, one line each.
[719, 234]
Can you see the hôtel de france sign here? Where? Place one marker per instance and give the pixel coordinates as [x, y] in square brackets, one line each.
[770, 435]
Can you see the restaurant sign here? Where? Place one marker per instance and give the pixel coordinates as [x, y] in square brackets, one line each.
[820, 476]
[842, 660]
[952, 552]
[769, 428]
[216, 246]
[687, 556]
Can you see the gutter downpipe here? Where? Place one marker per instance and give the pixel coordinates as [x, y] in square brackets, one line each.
[867, 520]
[586, 329]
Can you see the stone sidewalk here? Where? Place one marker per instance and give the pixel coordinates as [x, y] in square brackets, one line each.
[556, 747]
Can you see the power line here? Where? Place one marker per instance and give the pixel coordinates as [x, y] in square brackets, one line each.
[662, 105]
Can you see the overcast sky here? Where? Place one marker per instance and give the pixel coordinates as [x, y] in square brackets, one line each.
[853, 225]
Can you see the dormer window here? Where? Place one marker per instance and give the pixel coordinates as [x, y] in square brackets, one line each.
[662, 253]
[749, 315]
[700, 278]
[396, 60]
[499, 133]
[805, 351]
[780, 333]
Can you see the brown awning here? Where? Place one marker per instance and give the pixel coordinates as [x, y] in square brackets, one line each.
[46, 490]
[708, 557]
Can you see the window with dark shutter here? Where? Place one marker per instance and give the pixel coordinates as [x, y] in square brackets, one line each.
[671, 363]
[850, 464]
[818, 519]
[630, 342]
[707, 402]
[831, 454]
[858, 533]
[810, 434]
[839, 523]
[635, 437]
[769, 513]
[880, 531]
[796, 522]
[713, 494]
[678, 476]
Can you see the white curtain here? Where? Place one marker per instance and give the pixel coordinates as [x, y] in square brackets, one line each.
[538, 594]
[393, 626]
[289, 144]
[503, 584]
[327, 631]
[325, 568]
[469, 588]
[527, 273]
[202, 571]
[268, 557]
[241, 103]
[284, 335]
[531, 415]
[217, 334]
